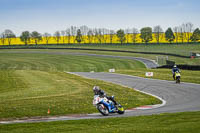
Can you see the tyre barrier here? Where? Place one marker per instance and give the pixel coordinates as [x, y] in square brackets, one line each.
[183, 67]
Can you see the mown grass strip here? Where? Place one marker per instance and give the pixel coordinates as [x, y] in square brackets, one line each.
[180, 49]
[164, 123]
[59, 62]
[31, 93]
[178, 60]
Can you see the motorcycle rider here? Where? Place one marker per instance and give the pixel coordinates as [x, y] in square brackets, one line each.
[174, 70]
[101, 93]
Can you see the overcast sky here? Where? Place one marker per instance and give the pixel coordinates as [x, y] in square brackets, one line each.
[52, 15]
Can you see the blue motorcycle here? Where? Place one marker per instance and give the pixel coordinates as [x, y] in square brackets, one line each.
[106, 106]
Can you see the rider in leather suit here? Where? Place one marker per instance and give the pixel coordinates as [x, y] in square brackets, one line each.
[101, 93]
[174, 70]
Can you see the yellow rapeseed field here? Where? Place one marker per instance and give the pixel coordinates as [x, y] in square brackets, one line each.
[93, 39]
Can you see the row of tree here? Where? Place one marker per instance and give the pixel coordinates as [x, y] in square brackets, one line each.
[84, 34]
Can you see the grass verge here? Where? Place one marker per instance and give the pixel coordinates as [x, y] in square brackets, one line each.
[29, 93]
[165, 74]
[164, 123]
[60, 62]
[161, 61]
[180, 49]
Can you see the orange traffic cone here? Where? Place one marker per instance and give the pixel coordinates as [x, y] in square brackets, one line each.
[48, 112]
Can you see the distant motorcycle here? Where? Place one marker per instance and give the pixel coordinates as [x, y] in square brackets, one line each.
[106, 106]
[178, 77]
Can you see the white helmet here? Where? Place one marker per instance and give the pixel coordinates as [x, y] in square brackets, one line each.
[96, 89]
[174, 66]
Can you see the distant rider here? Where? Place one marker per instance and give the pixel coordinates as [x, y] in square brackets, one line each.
[101, 93]
[174, 70]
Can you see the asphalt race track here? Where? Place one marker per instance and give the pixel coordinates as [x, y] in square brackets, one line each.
[176, 97]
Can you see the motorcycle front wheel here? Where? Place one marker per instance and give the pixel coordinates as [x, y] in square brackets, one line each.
[120, 109]
[102, 109]
[178, 80]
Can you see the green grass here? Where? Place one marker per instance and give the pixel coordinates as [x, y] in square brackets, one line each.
[48, 62]
[164, 123]
[32, 83]
[165, 74]
[28, 93]
[181, 49]
[178, 60]
[59, 62]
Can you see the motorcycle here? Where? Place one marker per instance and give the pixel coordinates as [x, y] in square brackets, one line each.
[178, 77]
[106, 106]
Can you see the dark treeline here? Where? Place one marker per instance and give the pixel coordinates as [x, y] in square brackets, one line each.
[184, 33]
